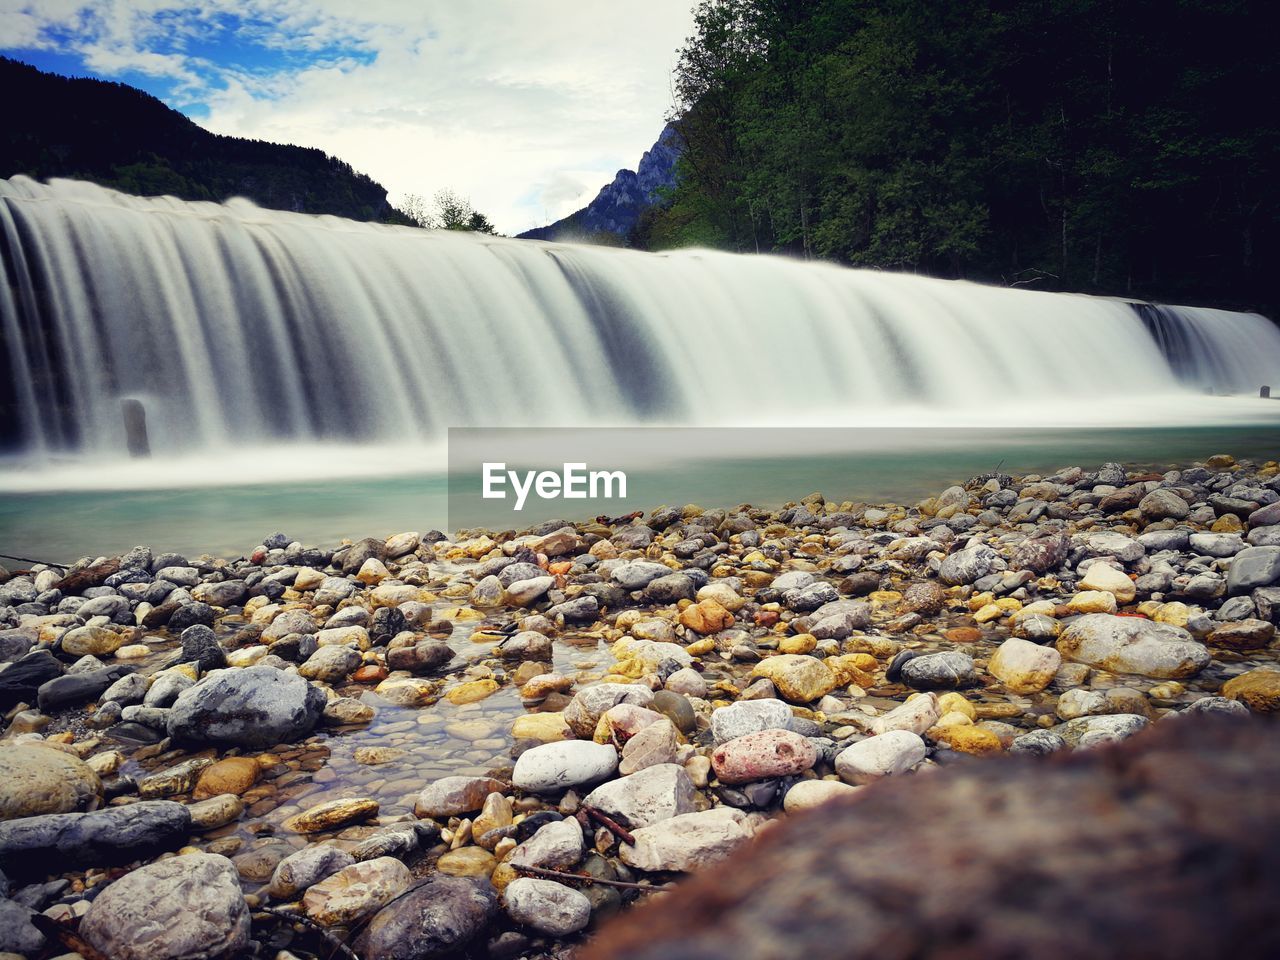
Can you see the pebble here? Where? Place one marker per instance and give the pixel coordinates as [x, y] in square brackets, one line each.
[1023, 666]
[355, 891]
[1259, 690]
[557, 766]
[456, 795]
[886, 754]
[688, 842]
[799, 679]
[332, 815]
[807, 794]
[546, 906]
[767, 753]
[650, 796]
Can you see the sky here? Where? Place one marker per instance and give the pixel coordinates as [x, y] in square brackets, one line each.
[527, 107]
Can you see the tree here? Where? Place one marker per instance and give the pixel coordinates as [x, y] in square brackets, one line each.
[449, 212]
[1075, 144]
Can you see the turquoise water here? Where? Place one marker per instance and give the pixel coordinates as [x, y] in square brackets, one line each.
[229, 519]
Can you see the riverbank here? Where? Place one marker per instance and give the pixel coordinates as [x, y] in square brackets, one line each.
[413, 744]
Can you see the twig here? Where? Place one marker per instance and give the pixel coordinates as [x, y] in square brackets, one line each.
[546, 874]
[330, 938]
[609, 824]
[47, 563]
[53, 930]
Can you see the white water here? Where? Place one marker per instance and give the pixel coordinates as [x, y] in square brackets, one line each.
[240, 328]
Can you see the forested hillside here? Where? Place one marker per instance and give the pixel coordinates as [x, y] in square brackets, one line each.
[1123, 148]
[120, 137]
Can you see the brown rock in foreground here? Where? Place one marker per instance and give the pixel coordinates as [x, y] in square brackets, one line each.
[1164, 847]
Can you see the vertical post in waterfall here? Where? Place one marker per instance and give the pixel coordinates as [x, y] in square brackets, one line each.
[135, 427]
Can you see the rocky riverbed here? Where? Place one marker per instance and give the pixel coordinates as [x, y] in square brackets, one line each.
[411, 746]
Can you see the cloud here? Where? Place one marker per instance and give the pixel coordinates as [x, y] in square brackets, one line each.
[526, 106]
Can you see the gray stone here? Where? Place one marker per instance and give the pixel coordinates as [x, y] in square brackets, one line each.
[256, 707]
[839, 619]
[1085, 732]
[201, 647]
[184, 908]
[638, 574]
[17, 933]
[553, 767]
[1107, 543]
[648, 797]
[887, 754]
[1038, 743]
[330, 664]
[37, 846]
[939, 671]
[690, 841]
[308, 866]
[555, 846]
[1215, 705]
[126, 691]
[546, 906]
[749, 716]
[73, 689]
[1217, 544]
[1253, 567]
[437, 919]
[1161, 504]
[165, 689]
[968, 565]
[1131, 645]
[579, 610]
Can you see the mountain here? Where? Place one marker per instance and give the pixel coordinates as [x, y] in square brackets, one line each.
[616, 209]
[119, 137]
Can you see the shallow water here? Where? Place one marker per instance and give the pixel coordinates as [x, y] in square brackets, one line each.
[229, 516]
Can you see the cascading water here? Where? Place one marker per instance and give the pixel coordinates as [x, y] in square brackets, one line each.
[233, 325]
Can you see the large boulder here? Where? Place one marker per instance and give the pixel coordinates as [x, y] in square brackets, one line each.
[184, 908]
[256, 708]
[1192, 803]
[1133, 645]
[22, 679]
[39, 780]
[36, 846]
[437, 919]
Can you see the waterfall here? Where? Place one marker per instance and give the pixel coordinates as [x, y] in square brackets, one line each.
[235, 325]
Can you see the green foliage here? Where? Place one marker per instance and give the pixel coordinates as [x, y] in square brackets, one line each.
[450, 211]
[1078, 144]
